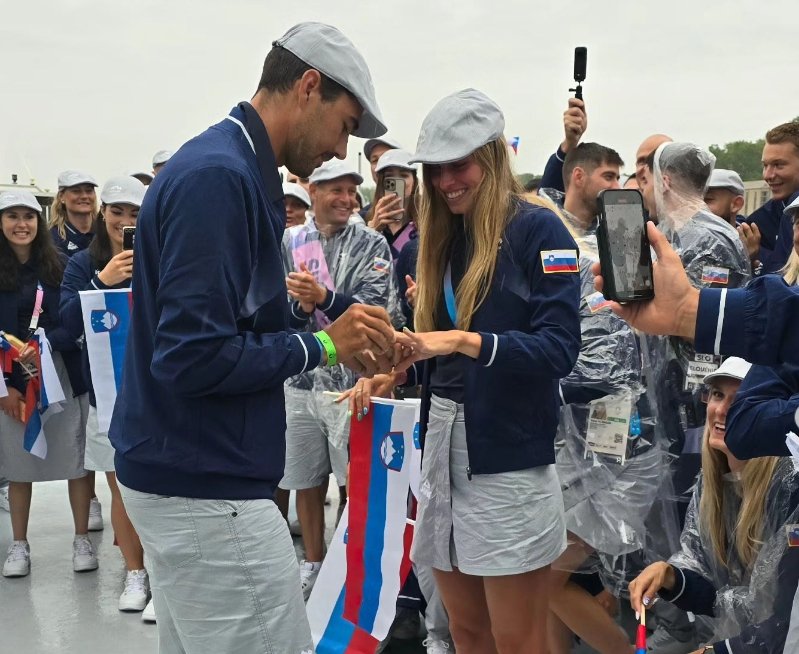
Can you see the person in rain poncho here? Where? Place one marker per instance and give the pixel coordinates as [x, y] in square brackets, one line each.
[331, 263]
[735, 564]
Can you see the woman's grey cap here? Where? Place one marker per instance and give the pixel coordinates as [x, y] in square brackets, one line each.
[19, 198]
[75, 178]
[161, 157]
[334, 169]
[297, 191]
[457, 126]
[326, 49]
[383, 140]
[396, 159]
[123, 190]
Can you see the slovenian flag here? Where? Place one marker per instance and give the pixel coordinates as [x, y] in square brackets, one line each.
[558, 261]
[381, 455]
[331, 633]
[43, 396]
[513, 142]
[106, 320]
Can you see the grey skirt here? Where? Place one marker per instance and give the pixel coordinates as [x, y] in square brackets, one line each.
[492, 525]
[65, 433]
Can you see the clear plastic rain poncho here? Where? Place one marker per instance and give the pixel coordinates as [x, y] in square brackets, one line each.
[713, 255]
[610, 458]
[753, 604]
[355, 261]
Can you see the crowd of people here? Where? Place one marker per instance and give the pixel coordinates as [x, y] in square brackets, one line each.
[577, 453]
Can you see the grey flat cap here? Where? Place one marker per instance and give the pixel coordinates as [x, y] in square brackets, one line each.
[383, 140]
[330, 52]
[334, 169]
[396, 159]
[457, 126]
[297, 191]
[729, 179]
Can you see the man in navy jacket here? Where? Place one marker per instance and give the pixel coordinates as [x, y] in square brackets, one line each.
[199, 424]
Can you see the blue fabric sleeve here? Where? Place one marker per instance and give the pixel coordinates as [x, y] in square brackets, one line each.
[692, 592]
[553, 172]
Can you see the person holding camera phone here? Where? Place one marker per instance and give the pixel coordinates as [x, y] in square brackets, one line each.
[394, 210]
[498, 324]
[107, 265]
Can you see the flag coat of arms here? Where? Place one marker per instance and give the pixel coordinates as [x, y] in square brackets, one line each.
[106, 320]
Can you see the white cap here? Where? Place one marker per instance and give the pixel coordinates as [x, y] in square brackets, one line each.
[74, 178]
[326, 49]
[793, 206]
[297, 191]
[457, 126]
[334, 169]
[140, 173]
[19, 198]
[727, 179]
[123, 190]
[382, 140]
[395, 159]
[161, 157]
[733, 367]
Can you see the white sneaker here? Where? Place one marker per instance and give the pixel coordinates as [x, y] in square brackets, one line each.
[137, 586]
[95, 515]
[436, 646]
[4, 499]
[308, 574]
[18, 561]
[83, 556]
[148, 615]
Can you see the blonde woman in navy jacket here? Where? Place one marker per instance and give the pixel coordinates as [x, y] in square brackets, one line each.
[498, 323]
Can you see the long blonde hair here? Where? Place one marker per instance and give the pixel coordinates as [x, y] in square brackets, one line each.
[58, 213]
[497, 193]
[791, 270]
[755, 482]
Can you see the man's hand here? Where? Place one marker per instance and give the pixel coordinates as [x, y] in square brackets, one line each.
[304, 288]
[364, 339]
[750, 236]
[575, 123]
[673, 311]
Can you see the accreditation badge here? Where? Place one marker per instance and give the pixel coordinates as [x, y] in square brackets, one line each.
[609, 427]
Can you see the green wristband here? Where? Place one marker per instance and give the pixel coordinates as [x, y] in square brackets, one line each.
[327, 345]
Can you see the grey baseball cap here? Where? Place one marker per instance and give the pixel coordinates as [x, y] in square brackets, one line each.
[396, 159]
[123, 190]
[383, 140]
[74, 178]
[457, 126]
[161, 157]
[331, 53]
[297, 191]
[728, 179]
[19, 198]
[334, 169]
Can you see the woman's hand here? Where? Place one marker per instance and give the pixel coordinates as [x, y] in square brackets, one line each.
[410, 293]
[750, 236]
[387, 211]
[119, 269]
[304, 288]
[27, 355]
[644, 588]
[426, 345]
[364, 389]
[11, 405]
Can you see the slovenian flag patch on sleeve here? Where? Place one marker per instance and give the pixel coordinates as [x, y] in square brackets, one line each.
[559, 261]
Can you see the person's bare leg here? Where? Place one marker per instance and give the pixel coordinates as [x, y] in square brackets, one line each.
[311, 513]
[282, 501]
[90, 475]
[561, 637]
[469, 621]
[19, 501]
[80, 494]
[518, 606]
[127, 538]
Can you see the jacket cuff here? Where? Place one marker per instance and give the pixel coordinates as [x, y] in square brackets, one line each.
[98, 284]
[723, 647]
[720, 308]
[679, 587]
[488, 349]
[298, 313]
[312, 349]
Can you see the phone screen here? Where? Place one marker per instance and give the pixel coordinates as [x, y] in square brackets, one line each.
[128, 237]
[628, 245]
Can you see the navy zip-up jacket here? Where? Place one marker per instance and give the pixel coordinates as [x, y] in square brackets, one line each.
[81, 275]
[201, 410]
[530, 328]
[776, 231]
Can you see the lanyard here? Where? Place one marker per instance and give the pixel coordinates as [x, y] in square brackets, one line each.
[449, 296]
[37, 310]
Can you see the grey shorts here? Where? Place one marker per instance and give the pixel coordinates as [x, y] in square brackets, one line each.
[99, 451]
[492, 525]
[317, 433]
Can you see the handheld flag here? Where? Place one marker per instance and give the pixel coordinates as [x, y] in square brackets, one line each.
[513, 143]
[640, 638]
[42, 397]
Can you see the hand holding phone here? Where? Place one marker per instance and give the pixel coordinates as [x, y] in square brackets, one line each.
[396, 185]
[624, 254]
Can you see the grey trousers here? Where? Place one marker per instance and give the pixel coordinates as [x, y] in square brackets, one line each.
[223, 573]
[436, 620]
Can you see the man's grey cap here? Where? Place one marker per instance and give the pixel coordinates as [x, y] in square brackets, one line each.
[395, 159]
[334, 169]
[161, 157]
[457, 126]
[383, 140]
[327, 50]
[793, 206]
[729, 179]
[297, 191]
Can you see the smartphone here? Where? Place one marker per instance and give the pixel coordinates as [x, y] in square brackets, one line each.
[128, 237]
[624, 254]
[396, 185]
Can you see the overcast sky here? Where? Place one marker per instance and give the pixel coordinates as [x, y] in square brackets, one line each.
[101, 85]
